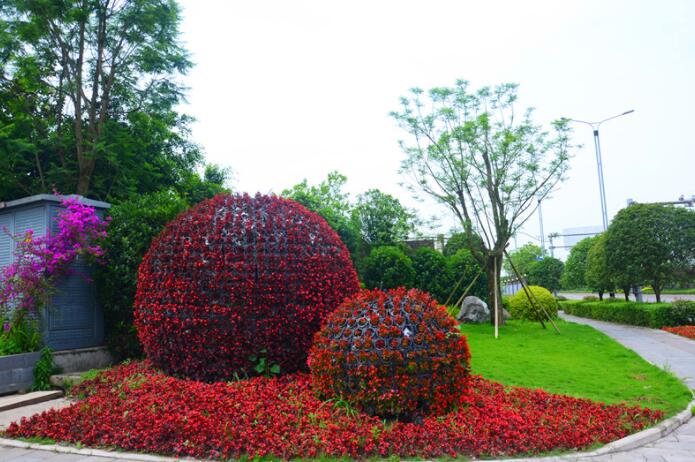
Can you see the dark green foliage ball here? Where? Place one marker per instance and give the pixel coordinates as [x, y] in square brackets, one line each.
[388, 267]
[432, 273]
[520, 307]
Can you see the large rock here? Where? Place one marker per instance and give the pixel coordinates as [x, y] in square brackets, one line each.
[474, 311]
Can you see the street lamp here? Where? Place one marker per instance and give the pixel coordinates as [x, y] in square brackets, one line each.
[597, 146]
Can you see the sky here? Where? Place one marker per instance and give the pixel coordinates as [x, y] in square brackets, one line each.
[284, 91]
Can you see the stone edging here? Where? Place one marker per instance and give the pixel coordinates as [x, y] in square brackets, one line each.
[625, 444]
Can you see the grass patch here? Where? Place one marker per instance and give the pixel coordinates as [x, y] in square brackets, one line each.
[580, 362]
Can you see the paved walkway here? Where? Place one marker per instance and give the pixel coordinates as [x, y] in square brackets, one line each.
[674, 353]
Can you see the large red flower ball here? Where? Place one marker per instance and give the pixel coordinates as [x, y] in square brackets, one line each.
[239, 285]
[392, 354]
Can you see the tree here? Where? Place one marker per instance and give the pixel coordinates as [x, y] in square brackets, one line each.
[597, 275]
[471, 152]
[133, 226]
[464, 267]
[387, 268]
[328, 200]
[460, 241]
[575, 266]
[381, 219]
[546, 273]
[88, 90]
[523, 258]
[432, 273]
[651, 243]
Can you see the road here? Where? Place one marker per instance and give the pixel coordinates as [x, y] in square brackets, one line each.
[646, 297]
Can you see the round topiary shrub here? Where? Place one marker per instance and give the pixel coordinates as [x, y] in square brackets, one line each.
[521, 308]
[388, 267]
[239, 285]
[392, 354]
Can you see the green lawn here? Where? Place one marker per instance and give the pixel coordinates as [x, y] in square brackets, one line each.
[580, 362]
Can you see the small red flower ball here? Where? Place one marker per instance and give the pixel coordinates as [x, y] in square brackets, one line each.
[237, 285]
[393, 354]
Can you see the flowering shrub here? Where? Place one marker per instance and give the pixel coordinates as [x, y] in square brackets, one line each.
[395, 354]
[136, 408]
[239, 282]
[685, 331]
[27, 282]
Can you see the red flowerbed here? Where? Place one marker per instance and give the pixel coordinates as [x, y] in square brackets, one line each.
[136, 408]
[685, 331]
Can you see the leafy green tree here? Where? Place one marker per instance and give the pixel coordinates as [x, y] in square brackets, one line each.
[381, 219]
[88, 91]
[461, 241]
[523, 258]
[546, 273]
[650, 243]
[328, 200]
[598, 276]
[432, 273]
[388, 267]
[575, 266]
[474, 153]
[464, 267]
[133, 226]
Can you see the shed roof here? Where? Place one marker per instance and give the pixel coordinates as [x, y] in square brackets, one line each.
[51, 198]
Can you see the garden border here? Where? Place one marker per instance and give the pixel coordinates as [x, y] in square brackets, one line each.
[630, 442]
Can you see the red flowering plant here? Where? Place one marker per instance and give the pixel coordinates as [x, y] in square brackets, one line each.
[26, 284]
[134, 407]
[238, 285]
[684, 331]
[392, 354]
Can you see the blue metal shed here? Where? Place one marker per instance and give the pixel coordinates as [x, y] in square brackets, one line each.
[73, 318]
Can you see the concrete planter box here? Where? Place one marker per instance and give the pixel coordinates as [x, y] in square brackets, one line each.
[17, 371]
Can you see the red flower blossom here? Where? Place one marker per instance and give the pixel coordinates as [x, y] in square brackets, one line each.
[685, 331]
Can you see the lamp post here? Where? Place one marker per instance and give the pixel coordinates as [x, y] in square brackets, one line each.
[597, 146]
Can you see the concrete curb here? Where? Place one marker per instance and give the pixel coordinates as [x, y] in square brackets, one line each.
[91, 452]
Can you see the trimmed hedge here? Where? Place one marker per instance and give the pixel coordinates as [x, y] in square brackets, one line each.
[655, 315]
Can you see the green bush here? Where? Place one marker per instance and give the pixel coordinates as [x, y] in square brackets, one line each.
[520, 307]
[464, 267]
[432, 273]
[43, 370]
[133, 226]
[654, 315]
[388, 267]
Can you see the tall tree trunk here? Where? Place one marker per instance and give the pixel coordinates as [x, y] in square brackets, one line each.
[84, 180]
[657, 291]
[493, 281]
